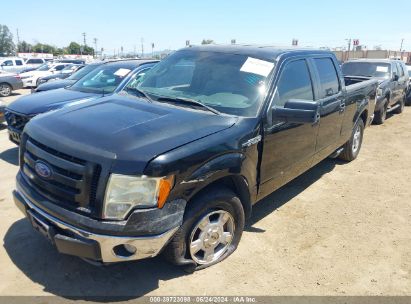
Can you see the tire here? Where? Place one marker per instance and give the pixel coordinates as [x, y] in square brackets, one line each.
[381, 115]
[353, 146]
[195, 237]
[5, 89]
[400, 109]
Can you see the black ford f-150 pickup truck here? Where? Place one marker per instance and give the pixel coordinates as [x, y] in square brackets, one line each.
[176, 164]
[392, 76]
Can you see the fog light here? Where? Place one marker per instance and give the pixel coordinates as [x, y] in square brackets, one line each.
[124, 251]
[130, 248]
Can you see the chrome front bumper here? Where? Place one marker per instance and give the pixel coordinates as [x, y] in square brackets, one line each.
[147, 247]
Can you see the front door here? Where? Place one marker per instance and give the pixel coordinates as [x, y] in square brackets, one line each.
[288, 148]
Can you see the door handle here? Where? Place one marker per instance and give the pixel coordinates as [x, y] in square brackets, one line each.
[342, 107]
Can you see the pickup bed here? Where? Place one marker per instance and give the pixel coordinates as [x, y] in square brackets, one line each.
[175, 164]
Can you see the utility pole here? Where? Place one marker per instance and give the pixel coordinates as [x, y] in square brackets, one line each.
[95, 47]
[152, 50]
[349, 48]
[18, 40]
[84, 38]
[402, 41]
[142, 47]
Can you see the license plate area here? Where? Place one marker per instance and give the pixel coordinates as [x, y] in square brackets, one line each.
[41, 226]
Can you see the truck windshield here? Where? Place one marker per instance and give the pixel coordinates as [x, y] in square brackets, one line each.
[367, 69]
[104, 79]
[229, 83]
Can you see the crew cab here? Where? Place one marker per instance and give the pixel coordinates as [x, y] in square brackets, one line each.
[393, 81]
[175, 164]
[101, 80]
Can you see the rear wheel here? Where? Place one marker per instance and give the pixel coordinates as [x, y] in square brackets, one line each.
[401, 106]
[381, 115]
[211, 230]
[5, 89]
[353, 146]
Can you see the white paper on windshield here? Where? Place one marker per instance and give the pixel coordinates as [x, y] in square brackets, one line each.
[122, 72]
[383, 69]
[257, 66]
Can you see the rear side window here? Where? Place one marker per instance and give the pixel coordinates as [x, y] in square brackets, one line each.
[328, 77]
[34, 61]
[19, 62]
[294, 83]
[400, 69]
[395, 69]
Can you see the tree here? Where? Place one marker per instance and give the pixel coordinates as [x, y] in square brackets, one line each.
[73, 48]
[43, 48]
[7, 46]
[24, 47]
[207, 41]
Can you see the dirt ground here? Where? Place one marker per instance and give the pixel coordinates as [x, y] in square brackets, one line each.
[339, 229]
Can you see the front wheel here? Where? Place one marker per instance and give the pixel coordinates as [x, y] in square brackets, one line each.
[381, 115]
[353, 146]
[211, 230]
[5, 89]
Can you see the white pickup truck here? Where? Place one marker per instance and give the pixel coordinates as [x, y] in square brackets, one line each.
[12, 64]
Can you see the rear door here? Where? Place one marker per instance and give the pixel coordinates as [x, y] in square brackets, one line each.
[332, 104]
[402, 81]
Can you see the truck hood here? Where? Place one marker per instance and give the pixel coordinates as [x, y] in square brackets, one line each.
[46, 101]
[123, 133]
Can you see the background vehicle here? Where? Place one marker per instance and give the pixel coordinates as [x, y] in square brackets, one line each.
[393, 83]
[66, 72]
[104, 80]
[35, 62]
[12, 64]
[2, 108]
[57, 84]
[215, 130]
[8, 83]
[30, 79]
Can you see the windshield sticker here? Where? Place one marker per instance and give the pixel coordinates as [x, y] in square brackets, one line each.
[122, 72]
[257, 66]
[383, 69]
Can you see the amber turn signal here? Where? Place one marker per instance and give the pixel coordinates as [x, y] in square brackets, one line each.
[166, 184]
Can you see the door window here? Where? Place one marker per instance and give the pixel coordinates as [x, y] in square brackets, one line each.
[8, 63]
[19, 62]
[294, 83]
[328, 77]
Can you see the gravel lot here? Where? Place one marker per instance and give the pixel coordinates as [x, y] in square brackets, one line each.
[339, 229]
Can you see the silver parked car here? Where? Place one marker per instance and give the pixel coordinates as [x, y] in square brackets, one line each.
[8, 83]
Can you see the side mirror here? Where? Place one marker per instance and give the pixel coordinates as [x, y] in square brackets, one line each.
[396, 77]
[297, 111]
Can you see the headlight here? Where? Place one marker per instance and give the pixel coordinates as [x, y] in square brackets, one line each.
[125, 193]
[379, 92]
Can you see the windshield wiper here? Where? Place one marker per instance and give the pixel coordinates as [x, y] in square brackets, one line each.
[194, 102]
[142, 93]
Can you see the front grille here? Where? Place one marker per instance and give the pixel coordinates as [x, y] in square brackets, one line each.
[72, 182]
[16, 121]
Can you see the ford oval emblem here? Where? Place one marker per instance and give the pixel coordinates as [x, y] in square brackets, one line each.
[42, 169]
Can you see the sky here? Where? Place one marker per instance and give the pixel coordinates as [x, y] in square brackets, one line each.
[168, 24]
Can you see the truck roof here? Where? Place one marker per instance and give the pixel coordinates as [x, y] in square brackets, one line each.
[261, 51]
[372, 60]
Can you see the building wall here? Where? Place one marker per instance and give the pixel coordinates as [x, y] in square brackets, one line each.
[373, 54]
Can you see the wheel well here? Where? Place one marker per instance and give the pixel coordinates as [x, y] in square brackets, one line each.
[235, 183]
[364, 116]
